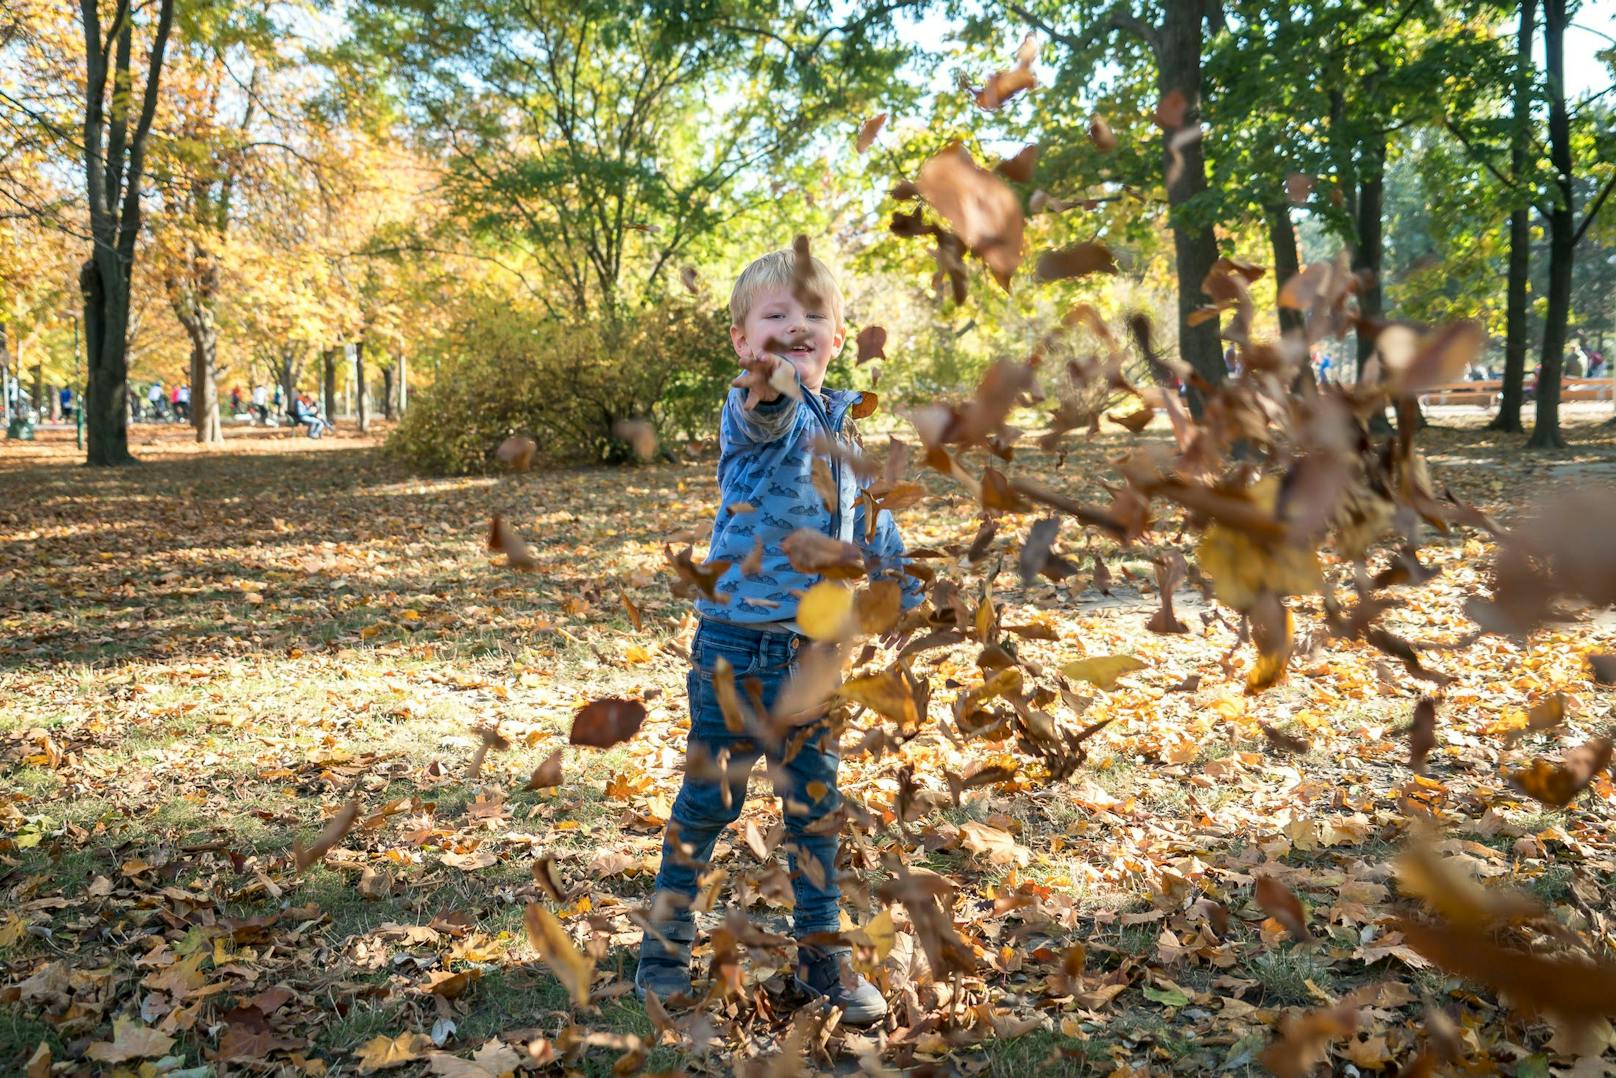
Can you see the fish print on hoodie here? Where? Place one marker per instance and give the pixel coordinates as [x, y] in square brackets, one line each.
[766, 460]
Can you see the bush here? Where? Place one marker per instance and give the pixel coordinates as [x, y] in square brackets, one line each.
[566, 383]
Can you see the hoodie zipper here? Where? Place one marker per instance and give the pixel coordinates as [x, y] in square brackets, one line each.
[832, 423]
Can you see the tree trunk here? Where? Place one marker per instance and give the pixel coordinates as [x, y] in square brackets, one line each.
[361, 411]
[1195, 247]
[1368, 251]
[403, 384]
[1508, 418]
[1562, 235]
[205, 387]
[388, 380]
[329, 377]
[106, 399]
[1287, 263]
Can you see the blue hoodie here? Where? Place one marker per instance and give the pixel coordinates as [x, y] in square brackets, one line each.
[766, 460]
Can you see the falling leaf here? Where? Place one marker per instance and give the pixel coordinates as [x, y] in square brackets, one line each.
[814, 552]
[994, 844]
[1171, 110]
[1279, 903]
[130, 1040]
[1298, 187]
[868, 130]
[872, 341]
[825, 611]
[1441, 357]
[382, 1052]
[1076, 261]
[877, 606]
[1302, 1041]
[701, 577]
[547, 774]
[983, 210]
[640, 435]
[1020, 167]
[691, 280]
[503, 539]
[603, 723]
[517, 451]
[1100, 134]
[555, 947]
[1003, 85]
[335, 828]
[1558, 784]
[1286, 742]
[1102, 671]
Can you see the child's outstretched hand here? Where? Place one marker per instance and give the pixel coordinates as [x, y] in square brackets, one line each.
[766, 378]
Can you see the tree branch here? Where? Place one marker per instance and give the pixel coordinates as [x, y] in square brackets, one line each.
[1593, 211]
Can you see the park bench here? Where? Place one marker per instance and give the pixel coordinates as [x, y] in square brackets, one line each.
[1484, 393]
[1587, 389]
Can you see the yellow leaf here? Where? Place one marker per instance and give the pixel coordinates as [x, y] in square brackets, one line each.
[369, 631]
[1241, 568]
[573, 970]
[1102, 671]
[383, 1052]
[825, 611]
[130, 1040]
[881, 933]
[885, 694]
[635, 654]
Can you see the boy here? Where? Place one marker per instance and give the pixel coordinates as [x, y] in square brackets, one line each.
[786, 328]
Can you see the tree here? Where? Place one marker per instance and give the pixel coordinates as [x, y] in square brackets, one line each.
[585, 136]
[1520, 233]
[1174, 40]
[114, 165]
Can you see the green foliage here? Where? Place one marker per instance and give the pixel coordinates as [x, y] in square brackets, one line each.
[503, 369]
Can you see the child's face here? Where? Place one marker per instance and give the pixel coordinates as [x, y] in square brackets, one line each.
[807, 336]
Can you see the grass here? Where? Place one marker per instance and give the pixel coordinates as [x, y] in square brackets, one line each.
[205, 732]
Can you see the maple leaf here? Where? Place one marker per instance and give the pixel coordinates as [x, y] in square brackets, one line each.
[983, 210]
[603, 723]
[494, 1059]
[382, 1052]
[338, 826]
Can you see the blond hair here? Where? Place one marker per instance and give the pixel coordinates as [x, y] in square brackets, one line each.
[777, 268]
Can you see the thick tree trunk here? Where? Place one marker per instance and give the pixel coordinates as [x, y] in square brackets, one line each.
[361, 409]
[388, 380]
[288, 374]
[106, 403]
[1368, 251]
[1287, 263]
[1520, 235]
[328, 372]
[205, 387]
[1195, 247]
[1562, 235]
[403, 384]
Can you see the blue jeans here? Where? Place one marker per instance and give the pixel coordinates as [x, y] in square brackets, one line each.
[699, 812]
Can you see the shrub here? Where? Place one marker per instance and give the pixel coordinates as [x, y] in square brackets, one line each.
[567, 383]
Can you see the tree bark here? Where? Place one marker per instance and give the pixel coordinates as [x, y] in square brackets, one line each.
[114, 163]
[1562, 236]
[361, 410]
[1195, 246]
[1508, 418]
[1287, 263]
[403, 384]
[1368, 252]
[193, 305]
[388, 380]
[329, 378]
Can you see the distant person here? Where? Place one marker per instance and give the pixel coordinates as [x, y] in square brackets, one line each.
[182, 402]
[1596, 365]
[1576, 362]
[66, 398]
[1326, 369]
[306, 413]
[260, 405]
[235, 400]
[155, 398]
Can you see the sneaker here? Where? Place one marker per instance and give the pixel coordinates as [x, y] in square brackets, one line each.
[828, 973]
[664, 968]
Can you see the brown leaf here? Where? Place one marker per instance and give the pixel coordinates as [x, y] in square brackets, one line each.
[555, 947]
[868, 130]
[691, 280]
[1279, 903]
[814, 552]
[548, 880]
[547, 774]
[1284, 742]
[604, 723]
[872, 342]
[878, 606]
[1170, 570]
[1421, 734]
[1171, 110]
[1603, 668]
[1441, 357]
[1003, 85]
[1302, 1041]
[1571, 988]
[39, 1064]
[382, 1052]
[130, 1040]
[701, 577]
[984, 212]
[517, 451]
[504, 539]
[338, 826]
[633, 611]
[802, 282]
[1076, 261]
[1020, 167]
[1100, 134]
[1298, 187]
[639, 434]
[1558, 784]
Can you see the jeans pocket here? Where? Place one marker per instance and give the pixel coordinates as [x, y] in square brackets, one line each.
[705, 656]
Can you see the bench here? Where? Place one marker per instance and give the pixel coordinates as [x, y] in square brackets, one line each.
[1484, 393]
